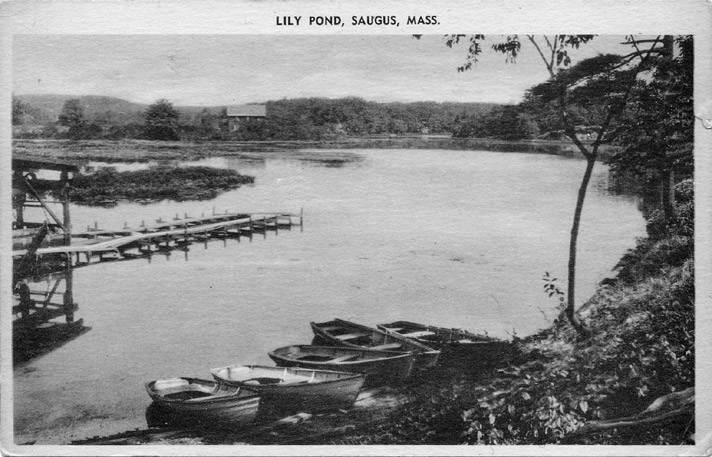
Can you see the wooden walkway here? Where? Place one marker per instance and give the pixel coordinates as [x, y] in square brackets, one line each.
[128, 242]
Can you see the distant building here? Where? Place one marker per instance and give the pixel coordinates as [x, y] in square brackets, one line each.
[239, 113]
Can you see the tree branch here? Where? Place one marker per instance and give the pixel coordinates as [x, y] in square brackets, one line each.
[553, 51]
[663, 408]
[541, 54]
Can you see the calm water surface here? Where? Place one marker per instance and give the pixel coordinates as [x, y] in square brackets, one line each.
[454, 238]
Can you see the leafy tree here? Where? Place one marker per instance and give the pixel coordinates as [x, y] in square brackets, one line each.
[18, 111]
[161, 121]
[657, 131]
[605, 79]
[72, 114]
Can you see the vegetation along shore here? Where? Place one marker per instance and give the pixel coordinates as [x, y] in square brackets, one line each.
[629, 382]
[641, 349]
[156, 183]
[617, 369]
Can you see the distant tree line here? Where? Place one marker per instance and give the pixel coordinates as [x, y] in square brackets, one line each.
[307, 119]
[287, 119]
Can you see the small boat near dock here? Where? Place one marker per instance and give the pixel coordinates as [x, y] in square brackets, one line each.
[295, 388]
[380, 367]
[203, 402]
[456, 345]
[345, 333]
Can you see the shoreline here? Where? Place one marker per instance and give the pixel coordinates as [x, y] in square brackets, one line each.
[545, 351]
[145, 150]
[560, 388]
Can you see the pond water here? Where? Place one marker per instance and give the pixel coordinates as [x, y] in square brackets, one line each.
[453, 238]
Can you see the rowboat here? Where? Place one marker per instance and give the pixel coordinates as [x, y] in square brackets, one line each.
[204, 402]
[379, 366]
[295, 388]
[457, 345]
[345, 333]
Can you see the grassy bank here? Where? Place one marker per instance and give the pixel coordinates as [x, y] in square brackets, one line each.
[642, 348]
[144, 151]
[156, 183]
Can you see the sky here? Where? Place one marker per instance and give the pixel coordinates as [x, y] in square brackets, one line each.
[206, 70]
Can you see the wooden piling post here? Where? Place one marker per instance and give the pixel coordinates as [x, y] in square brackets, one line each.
[301, 219]
[66, 221]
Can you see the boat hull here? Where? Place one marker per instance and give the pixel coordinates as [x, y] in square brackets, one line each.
[201, 402]
[302, 389]
[372, 338]
[458, 347]
[379, 367]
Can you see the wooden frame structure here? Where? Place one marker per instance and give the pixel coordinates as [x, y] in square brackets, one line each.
[28, 190]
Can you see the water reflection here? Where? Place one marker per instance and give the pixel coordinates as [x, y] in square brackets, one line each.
[44, 308]
[240, 162]
[44, 320]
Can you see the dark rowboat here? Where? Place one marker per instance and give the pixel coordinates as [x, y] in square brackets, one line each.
[378, 366]
[204, 402]
[298, 388]
[345, 333]
[457, 345]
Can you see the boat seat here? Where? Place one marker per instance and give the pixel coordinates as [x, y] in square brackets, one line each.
[330, 329]
[419, 334]
[393, 329]
[344, 358]
[387, 346]
[350, 336]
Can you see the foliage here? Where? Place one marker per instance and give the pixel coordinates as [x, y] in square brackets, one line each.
[288, 119]
[642, 348]
[657, 131]
[161, 121]
[507, 122]
[183, 183]
[72, 114]
[19, 109]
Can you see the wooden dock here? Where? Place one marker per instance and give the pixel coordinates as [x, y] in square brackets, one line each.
[163, 235]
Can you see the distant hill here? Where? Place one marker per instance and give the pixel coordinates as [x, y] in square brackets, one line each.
[96, 107]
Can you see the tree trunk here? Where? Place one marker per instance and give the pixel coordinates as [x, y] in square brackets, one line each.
[570, 301]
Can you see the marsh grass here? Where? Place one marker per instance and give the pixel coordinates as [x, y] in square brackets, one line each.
[155, 183]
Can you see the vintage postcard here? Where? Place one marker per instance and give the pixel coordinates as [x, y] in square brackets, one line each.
[326, 228]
